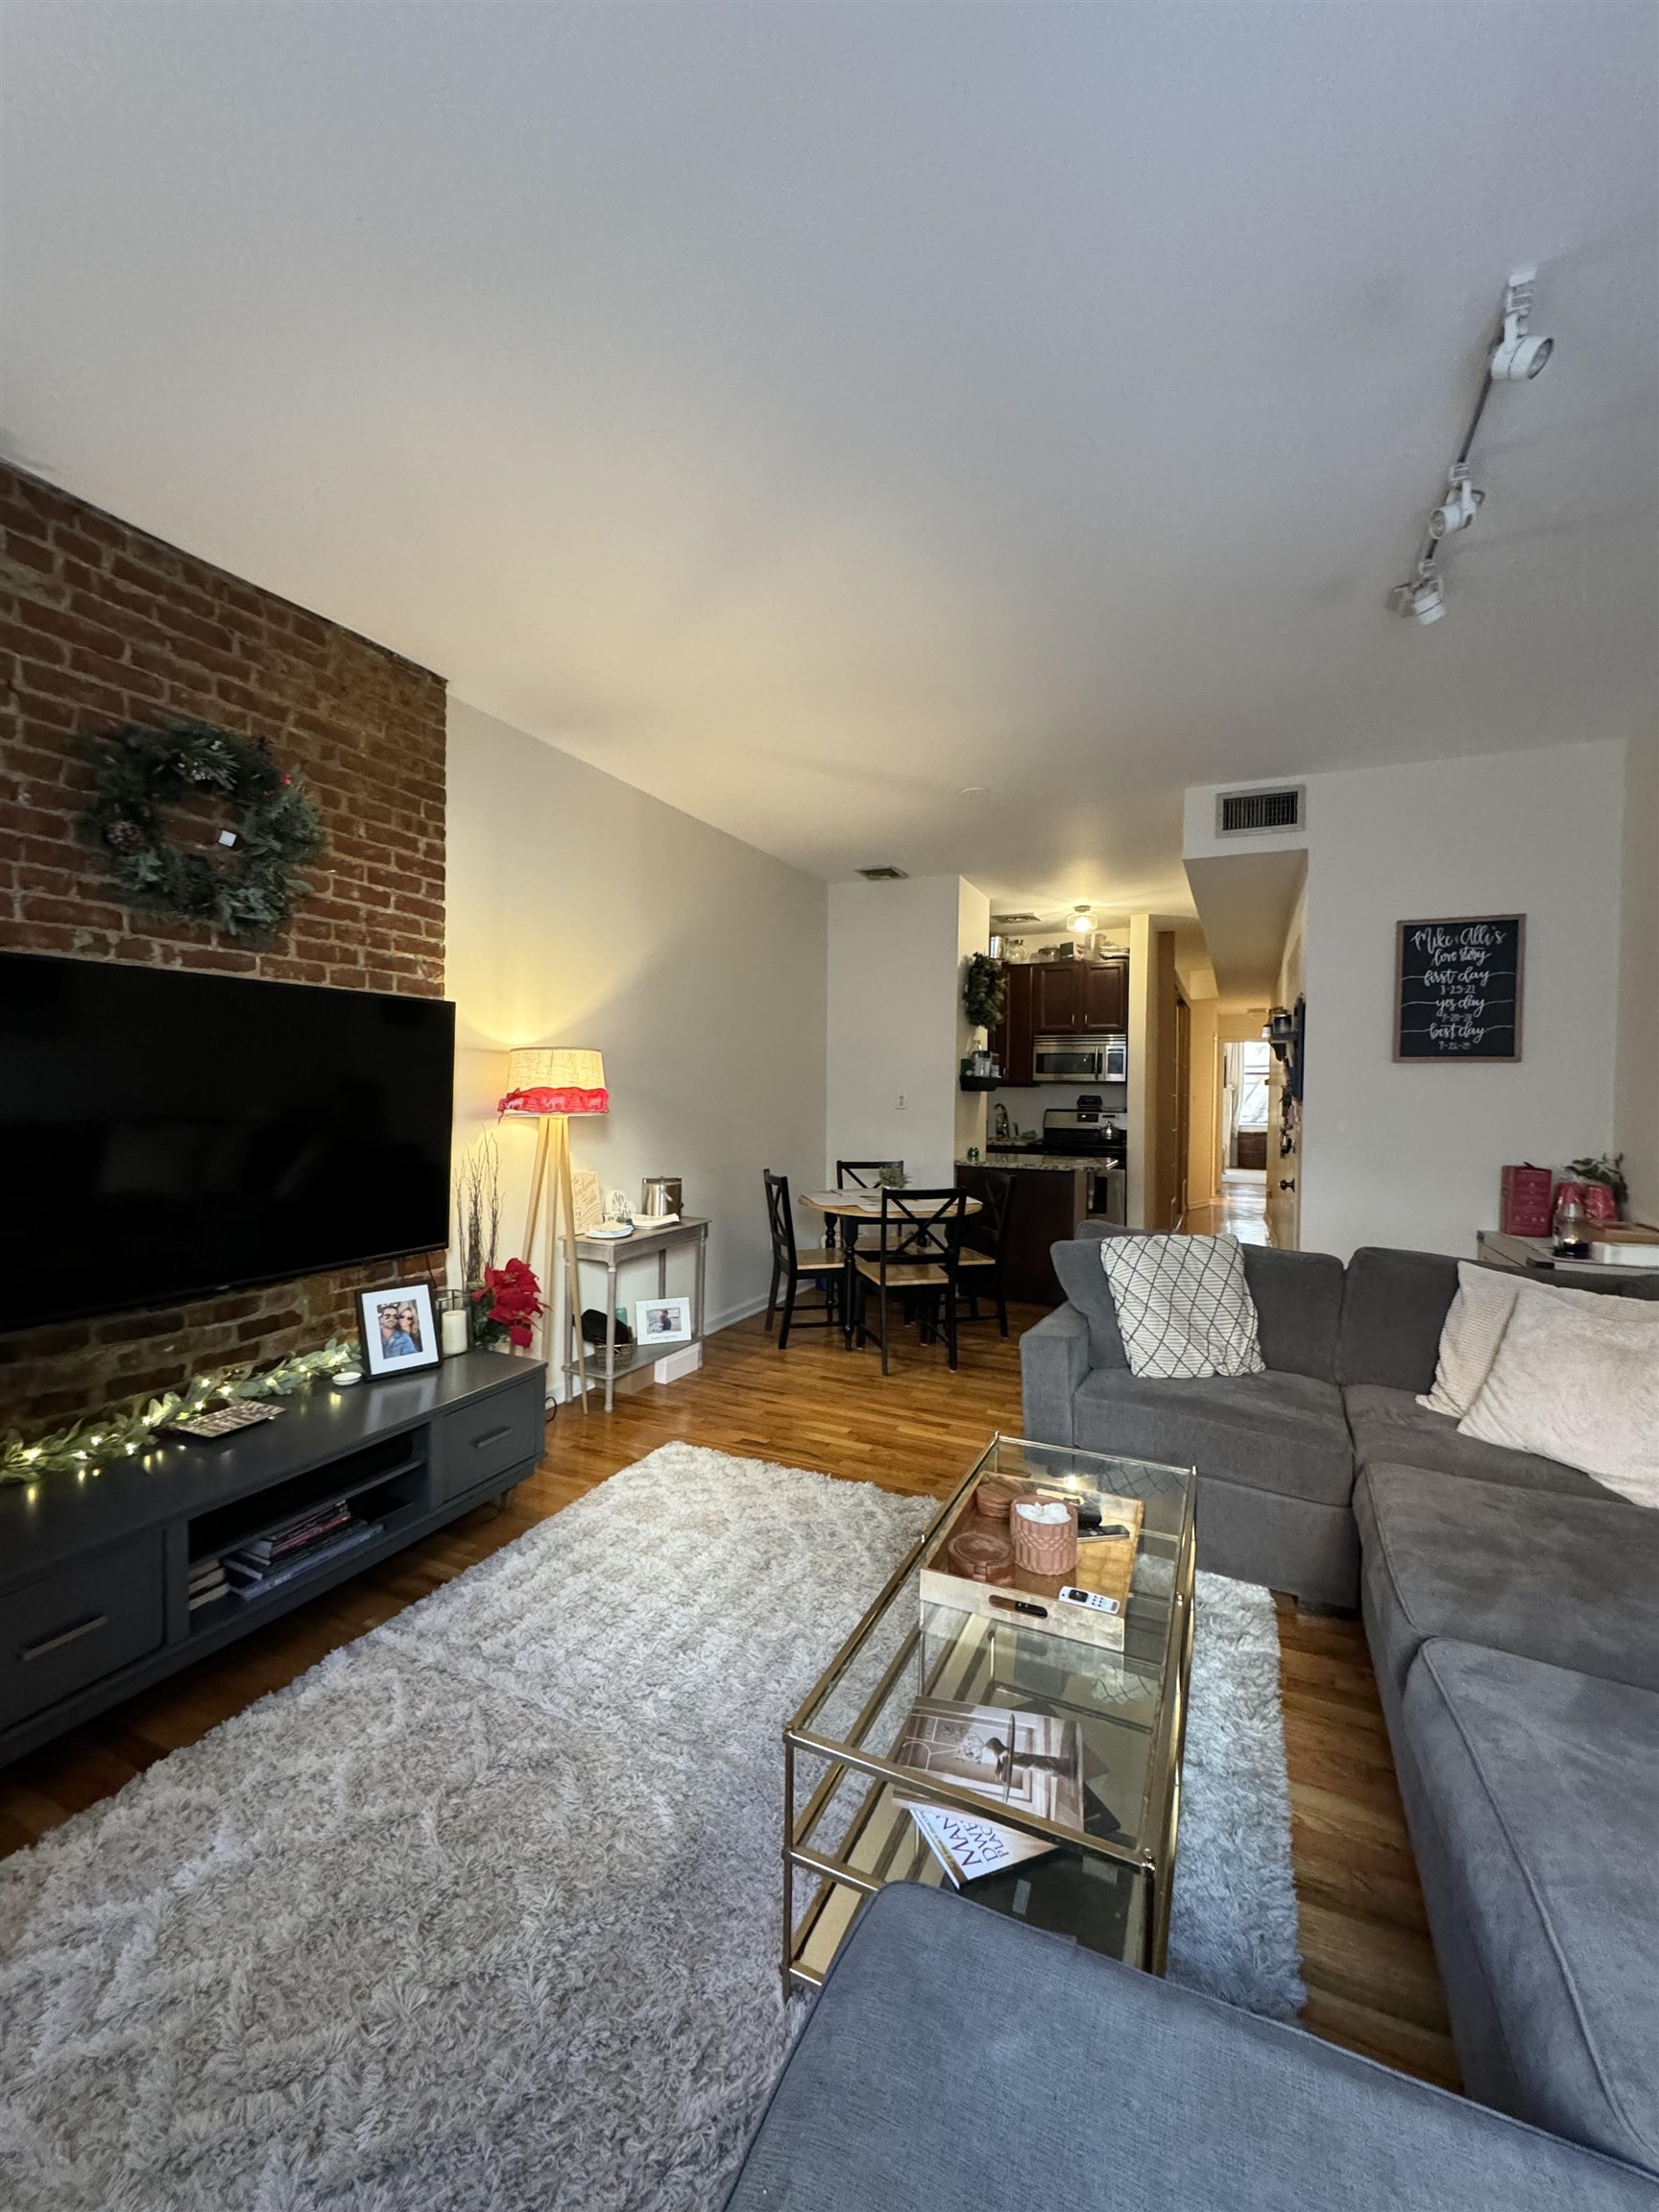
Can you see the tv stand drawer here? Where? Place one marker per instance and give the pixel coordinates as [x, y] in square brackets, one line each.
[495, 1437]
[70, 1628]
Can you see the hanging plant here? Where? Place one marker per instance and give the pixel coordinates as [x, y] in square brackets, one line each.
[142, 770]
[983, 991]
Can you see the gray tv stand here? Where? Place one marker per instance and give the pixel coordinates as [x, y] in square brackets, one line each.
[94, 1575]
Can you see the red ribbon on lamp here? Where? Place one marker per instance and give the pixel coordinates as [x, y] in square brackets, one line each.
[555, 1080]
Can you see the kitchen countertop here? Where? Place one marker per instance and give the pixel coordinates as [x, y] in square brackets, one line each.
[1065, 1161]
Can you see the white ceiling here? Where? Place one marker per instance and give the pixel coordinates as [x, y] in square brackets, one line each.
[806, 412]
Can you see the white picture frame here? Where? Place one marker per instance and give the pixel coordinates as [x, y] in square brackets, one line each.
[661, 1321]
[399, 1328]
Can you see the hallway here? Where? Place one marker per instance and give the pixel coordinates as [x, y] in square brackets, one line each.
[1242, 1211]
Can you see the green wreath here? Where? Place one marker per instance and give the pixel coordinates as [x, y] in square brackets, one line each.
[140, 770]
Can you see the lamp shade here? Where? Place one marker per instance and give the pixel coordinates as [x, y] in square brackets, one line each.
[555, 1079]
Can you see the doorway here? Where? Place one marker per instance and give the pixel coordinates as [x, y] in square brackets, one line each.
[1242, 1133]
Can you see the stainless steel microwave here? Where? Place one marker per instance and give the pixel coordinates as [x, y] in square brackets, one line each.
[1081, 1060]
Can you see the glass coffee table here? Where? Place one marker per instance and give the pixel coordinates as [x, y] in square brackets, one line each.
[933, 1653]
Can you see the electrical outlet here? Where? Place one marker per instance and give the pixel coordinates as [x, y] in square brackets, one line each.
[899, 1102]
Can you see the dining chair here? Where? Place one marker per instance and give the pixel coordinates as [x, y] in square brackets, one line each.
[921, 1239]
[861, 1175]
[985, 1246]
[865, 1174]
[792, 1266]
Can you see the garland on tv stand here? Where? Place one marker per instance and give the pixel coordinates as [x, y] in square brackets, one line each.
[104, 1439]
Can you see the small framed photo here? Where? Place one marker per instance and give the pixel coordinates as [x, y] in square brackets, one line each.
[661, 1321]
[399, 1332]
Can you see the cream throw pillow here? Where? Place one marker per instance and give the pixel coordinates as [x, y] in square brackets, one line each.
[1476, 1319]
[1578, 1387]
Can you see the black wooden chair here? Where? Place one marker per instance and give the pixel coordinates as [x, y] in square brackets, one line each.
[865, 1174]
[819, 1269]
[921, 1239]
[985, 1246]
[861, 1175]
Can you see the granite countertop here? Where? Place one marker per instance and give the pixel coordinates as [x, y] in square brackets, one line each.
[1057, 1162]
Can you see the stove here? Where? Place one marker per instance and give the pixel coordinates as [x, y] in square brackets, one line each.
[1086, 1131]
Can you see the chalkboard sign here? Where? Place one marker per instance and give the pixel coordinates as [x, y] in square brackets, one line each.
[1457, 988]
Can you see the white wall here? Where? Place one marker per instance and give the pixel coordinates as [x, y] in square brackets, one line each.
[972, 935]
[1636, 1096]
[1140, 1118]
[582, 912]
[1409, 1155]
[895, 1023]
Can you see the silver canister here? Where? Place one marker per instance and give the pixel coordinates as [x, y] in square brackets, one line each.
[659, 1198]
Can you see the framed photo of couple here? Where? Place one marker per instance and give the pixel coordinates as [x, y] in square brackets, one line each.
[398, 1328]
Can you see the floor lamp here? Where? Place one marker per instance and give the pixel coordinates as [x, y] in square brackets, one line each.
[548, 1085]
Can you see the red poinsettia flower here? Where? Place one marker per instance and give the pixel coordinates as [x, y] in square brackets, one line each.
[509, 1303]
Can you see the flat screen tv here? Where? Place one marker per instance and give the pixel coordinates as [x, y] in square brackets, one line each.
[166, 1135]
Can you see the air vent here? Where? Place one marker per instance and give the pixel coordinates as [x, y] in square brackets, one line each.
[1247, 813]
[1010, 921]
[885, 875]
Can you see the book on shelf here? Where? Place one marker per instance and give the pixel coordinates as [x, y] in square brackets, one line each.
[1019, 1762]
[296, 1534]
[256, 1581]
[208, 1596]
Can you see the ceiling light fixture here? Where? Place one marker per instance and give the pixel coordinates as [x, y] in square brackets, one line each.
[1516, 357]
[1079, 922]
[1461, 505]
[1519, 355]
[1424, 598]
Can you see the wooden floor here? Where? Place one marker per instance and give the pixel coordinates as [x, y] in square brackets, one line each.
[1240, 1212]
[1370, 1971]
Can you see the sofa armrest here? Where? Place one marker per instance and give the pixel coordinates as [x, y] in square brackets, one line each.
[952, 2058]
[1053, 1361]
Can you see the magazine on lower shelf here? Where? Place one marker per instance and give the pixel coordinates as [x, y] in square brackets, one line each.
[1019, 1762]
[255, 1581]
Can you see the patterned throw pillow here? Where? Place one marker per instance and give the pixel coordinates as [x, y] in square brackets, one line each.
[1184, 1308]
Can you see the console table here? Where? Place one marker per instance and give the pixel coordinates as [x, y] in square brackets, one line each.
[95, 1575]
[614, 1252]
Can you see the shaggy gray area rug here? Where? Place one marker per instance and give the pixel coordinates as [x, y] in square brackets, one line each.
[481, 1914]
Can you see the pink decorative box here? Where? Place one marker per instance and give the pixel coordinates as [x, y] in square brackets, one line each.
[1526, 1209]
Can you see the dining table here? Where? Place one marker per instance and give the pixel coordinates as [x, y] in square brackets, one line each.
[851, 1208]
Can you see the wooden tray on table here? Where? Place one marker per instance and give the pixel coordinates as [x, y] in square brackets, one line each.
[1105, 1569]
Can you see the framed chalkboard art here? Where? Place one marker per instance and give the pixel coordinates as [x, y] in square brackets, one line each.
[1457, 988]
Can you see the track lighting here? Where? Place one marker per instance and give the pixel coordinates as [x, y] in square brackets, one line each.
[1519, 355]
[1424, 598]
[1458, 509]
[1516, 357]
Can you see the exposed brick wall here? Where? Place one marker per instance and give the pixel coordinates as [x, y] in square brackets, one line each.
[101, 624]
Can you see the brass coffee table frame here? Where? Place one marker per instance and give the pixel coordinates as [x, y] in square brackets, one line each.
[967, 1643]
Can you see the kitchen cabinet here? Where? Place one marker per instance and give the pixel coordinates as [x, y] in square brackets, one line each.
[1059, 996]
[1080, 997]
[1105, 998]
[1044, 1207]
[1012, 1038]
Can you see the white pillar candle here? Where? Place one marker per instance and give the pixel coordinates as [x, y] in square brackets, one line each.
[455, 1333]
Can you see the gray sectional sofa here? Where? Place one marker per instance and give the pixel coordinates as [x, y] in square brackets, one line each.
[958, 2060]
[956, 2057]
[1511, 1604]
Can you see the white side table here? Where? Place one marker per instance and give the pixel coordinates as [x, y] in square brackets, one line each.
[614, 1253]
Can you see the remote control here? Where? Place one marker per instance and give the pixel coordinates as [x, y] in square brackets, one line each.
[1072, 1595]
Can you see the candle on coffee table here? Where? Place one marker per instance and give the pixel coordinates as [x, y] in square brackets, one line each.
[1045, 1534]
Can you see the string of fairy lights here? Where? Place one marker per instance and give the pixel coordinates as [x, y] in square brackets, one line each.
[105, 1440]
